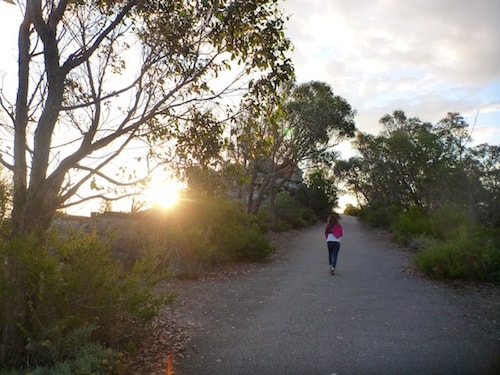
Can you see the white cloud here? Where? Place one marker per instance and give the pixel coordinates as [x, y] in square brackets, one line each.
[425, 57]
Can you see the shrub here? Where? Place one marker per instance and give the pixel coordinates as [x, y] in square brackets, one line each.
[204, 231]
[409, 224]
[291, 214]
[91, 359]
[263, 221]
[420, 242]
[308, 215]
[242, 242]
[446, 221]
[235, 234]
[193, 248]
[471, 256]
[79, 300]
[379, 216]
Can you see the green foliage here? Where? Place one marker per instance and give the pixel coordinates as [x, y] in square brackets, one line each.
[241, 241]
[272, 142]
[91, 359]
[204, 231]
[79, 300]
[323, 194]
[446, 221]
[290, 214]
[472, 256]
[194, 252]
[379, 216]
[423, 181]
[420, 242]
[83, 356]
[409, 224]
[449, 244]
[414, 163]
[235, 234]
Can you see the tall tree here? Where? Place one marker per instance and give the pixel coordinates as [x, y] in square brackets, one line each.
[323, 191]
[95, 76]
[309, 122]
[412, 163]
[486, 159]
[403, 165]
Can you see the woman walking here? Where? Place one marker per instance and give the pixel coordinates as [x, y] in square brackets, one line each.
[333, 232]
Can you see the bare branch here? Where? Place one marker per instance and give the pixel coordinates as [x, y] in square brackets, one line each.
[10, 167]
[78, 58]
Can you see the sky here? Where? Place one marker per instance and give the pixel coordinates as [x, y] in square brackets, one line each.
[425, 57]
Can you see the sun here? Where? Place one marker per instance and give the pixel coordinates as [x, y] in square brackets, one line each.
[164, 194]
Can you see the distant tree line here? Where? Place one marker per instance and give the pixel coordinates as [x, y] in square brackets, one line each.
[427, 183]
[415, 163]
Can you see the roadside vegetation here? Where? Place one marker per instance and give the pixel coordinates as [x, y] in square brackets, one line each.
[86, 309]
[91, 285]
[109, 95]
[86, 123]
[439, 196]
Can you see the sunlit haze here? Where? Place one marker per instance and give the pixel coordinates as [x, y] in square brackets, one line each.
[163, 194]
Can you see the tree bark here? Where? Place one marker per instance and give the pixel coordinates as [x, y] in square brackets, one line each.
[15, 307]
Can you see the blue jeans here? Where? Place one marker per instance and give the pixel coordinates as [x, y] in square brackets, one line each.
[333, 252]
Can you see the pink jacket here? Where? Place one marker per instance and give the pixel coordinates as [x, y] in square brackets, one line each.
[337, 230]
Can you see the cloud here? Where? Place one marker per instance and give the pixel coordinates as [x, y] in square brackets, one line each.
[426, 57]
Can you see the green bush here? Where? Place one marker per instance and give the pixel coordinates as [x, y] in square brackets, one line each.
[379, 216]
[91, 359]
[204, 231]
[235, 234]
[446, 221]
[308, 215]
[409, 224]
[193, 248]
[79, 300]
[263, 221]
[471, 256]
[243, 242]
[420, 242]
[290, 214]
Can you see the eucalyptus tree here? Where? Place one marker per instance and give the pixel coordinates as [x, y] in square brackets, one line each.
[486, 163]
[303, 127]
[453, 131]
[413, 163]
[398, 166]
[95, 77]
[322, 192]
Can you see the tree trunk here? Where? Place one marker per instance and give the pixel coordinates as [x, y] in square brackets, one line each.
[15, 307]
[250, 193]
[272, 210]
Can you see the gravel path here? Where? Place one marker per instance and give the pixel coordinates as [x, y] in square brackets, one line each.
[290, 316]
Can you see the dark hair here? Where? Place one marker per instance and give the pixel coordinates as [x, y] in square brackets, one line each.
[333, 219]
